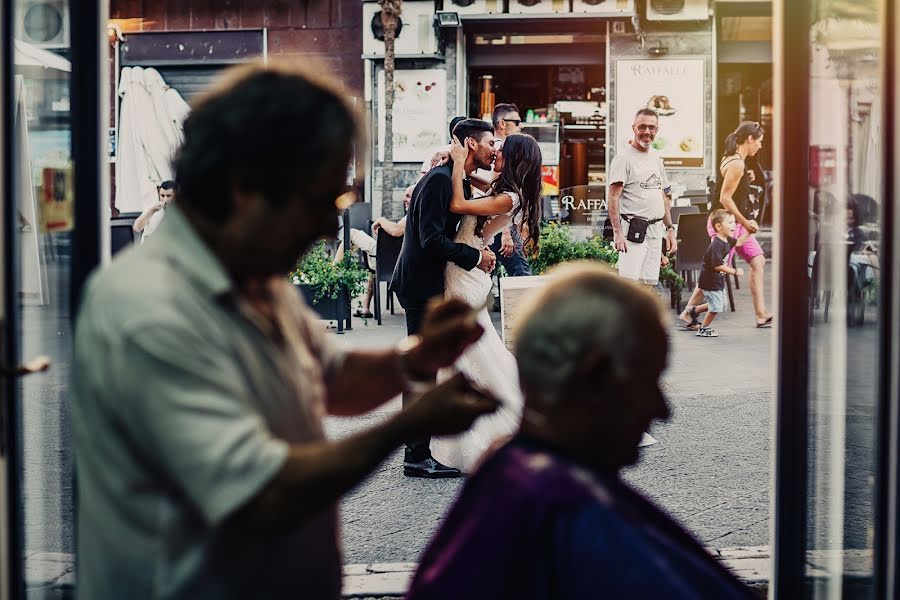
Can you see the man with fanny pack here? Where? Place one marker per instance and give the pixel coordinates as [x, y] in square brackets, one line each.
[638, 208]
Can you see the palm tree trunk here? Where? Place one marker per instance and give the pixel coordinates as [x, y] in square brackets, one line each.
[390, 11]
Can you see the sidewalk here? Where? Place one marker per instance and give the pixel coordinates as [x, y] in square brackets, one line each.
[752, 564]
[710, 469]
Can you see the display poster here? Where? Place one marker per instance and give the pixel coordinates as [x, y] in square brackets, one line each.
[676, 89]
[57, 205]
[420, 114]
[550, 180]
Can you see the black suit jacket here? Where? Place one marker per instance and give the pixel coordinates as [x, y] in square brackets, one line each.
[428, 241]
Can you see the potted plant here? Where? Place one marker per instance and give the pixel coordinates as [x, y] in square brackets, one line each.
[329, 287]
[557, 246]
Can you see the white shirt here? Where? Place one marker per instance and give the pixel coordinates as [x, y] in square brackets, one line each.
[644, 178]
[155, 219]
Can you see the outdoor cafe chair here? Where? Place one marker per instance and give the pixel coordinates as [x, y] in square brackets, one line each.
[693, 240]
[387, 252]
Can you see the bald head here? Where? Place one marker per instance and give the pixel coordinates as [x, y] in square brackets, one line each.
[591, 347]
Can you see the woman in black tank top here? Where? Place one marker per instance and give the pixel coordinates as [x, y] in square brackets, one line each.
[733, 194]
[741, 194]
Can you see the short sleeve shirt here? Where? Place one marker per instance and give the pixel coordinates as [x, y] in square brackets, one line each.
[644, 178]
[155, 219]
[715, 256]
[186, 401]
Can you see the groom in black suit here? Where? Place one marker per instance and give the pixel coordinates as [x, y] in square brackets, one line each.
[427, 248]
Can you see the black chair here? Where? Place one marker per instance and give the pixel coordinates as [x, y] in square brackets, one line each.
[387, 252]
[693, 240]
[122, 233]
[683, 210]
[357, 216]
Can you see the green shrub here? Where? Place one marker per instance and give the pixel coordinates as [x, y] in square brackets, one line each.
[316, 268]
[557, 247]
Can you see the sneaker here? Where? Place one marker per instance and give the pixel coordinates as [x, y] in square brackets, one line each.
[707, 332]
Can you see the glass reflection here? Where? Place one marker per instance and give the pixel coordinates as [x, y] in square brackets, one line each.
[44, 209]
[845, 219]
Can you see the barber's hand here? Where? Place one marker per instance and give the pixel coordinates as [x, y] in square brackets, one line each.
[619, 241]
[671, 241]
[752, 226]
[488, 261]
[507, 245]
[376, 225]
[458, 152]
[448, 328]
[752, 175]
[449, 408]
[440, 158]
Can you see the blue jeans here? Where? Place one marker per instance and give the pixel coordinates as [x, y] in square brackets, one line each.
[515, 264]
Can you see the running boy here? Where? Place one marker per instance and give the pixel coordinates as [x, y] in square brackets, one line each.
[712, 277]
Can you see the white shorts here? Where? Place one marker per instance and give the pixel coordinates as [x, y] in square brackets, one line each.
[641, 261]
[363, 241]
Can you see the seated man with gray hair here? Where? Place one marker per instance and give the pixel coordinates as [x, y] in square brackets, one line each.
[547, 515]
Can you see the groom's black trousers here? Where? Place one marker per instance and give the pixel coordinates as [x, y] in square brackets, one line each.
[416, 450]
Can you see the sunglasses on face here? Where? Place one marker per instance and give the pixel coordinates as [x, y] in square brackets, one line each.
[650, 128]
[516, 122]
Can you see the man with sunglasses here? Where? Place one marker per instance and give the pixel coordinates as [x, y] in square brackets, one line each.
[507, 245]
[638, 208]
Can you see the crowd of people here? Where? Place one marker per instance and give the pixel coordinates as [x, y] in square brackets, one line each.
[201, 378]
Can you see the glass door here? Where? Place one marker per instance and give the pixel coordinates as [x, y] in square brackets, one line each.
[49, 212]
[837, 295]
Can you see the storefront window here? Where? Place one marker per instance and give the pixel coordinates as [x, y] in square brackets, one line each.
[845, 202]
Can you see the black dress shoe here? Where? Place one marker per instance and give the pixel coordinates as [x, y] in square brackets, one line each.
[429, 469]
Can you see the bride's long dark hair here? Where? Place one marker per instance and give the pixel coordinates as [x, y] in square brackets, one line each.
[521, 174]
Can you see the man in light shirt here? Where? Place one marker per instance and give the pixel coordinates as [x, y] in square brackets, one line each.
[201, 378]
[153, 215]
[639, 210]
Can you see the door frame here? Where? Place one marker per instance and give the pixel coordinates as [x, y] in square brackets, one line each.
[89, 115]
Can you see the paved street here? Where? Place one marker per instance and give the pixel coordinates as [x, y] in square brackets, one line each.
[710, 468]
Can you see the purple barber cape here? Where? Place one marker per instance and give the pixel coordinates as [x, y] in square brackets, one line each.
[530, 524]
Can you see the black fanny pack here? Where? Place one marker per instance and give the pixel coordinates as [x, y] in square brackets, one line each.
[637, 228]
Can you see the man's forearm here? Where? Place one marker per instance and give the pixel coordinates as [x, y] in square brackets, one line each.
[393, 229]
[365, 381]
[667, 210]
[315, 476]
[613, 205]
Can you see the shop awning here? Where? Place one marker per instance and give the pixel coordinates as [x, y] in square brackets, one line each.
[27, 55]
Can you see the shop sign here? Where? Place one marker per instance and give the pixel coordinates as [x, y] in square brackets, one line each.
[420, 113]
[676, 89]
[583, 205]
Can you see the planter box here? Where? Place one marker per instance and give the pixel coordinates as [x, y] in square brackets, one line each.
[329, 309]
[513, 291]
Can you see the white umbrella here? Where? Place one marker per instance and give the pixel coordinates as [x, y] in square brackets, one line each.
[150, 122]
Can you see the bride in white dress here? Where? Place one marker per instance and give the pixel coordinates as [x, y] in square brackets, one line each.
[514, 196]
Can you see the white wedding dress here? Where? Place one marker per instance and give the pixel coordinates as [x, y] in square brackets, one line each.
[487, 363]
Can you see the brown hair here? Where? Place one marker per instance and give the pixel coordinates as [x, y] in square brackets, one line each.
[275, 129]
[719, 216]
[740, 135]
[521, 175]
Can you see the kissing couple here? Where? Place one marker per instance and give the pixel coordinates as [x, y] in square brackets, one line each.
[445, 253]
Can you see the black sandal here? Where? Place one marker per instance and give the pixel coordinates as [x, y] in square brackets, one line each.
[694, 325]
[363, 315]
